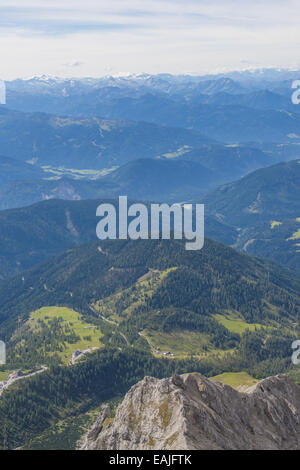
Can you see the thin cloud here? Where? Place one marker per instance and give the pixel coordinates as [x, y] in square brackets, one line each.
[179, 36]
[74, 64]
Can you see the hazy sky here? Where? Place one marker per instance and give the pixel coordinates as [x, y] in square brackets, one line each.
[100, 37]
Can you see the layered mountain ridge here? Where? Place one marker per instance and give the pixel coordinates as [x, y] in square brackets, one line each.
[190, 412]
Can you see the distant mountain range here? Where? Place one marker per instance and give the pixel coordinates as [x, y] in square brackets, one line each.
[76, 167]
[176, 177]
[133, 148]
[226, 123]
[238, 107]
[234, 83]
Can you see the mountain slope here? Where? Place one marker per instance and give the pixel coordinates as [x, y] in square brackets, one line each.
[176, 176]
[229, 162]
[158, 179]
[267, 194]
[226, 123]
[158, 286]
[162, 179]
[190, 412]
[264, 207]
[146, 300]
[48, 411]
[92, 143]
[32, 234]
[277, 240]
[14, 170]
[258, 99]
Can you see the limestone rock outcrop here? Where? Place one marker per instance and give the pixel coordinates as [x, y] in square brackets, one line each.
[190, 412]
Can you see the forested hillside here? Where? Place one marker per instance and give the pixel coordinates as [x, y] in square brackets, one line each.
[33, 234]
[264, 207]
[155, 296]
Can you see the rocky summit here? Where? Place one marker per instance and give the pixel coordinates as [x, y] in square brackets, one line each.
[190, 412]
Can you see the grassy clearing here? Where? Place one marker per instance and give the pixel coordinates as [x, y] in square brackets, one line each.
[295, 236]
[235, 379]
[180, 343]
[3, 376]
[90, 335]
[58, 172]
[275, 223]
[178, 153]
[234, 323]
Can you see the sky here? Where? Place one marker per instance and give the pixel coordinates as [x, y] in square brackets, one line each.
[75, 38]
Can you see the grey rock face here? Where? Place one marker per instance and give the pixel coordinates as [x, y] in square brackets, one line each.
[191, 412]
[89, 440]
